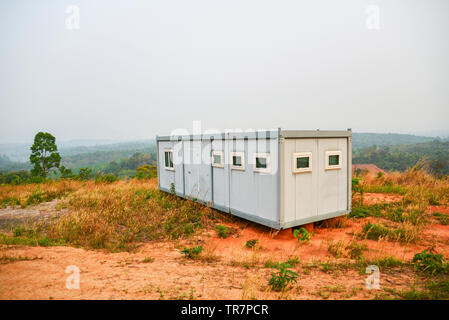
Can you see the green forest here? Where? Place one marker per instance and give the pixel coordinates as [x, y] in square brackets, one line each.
[402, 157]
[391, 152]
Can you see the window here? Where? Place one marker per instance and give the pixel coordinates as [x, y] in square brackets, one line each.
[333, 160]
[168, 156]
[238, 161]
[262, 163]
[302, 162]
[217, 159]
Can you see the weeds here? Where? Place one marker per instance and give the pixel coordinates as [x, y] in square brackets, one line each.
[378, 231]
[352, 250]
[42, 241]
[442, 218]
[222, 231]
[192, 253]
[281, 280]
[251, 243]
[302, 234]
[430, 262]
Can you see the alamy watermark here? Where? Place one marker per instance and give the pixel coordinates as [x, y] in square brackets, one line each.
[373, 280]
[72, 20]
[72, 282]
[188, 146]
[372, 21]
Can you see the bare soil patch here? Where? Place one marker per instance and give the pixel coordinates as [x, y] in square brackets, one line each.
[42, 212]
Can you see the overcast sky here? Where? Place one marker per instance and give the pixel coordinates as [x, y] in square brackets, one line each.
[135, 69]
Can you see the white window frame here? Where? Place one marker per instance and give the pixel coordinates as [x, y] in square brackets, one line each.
[297, 155]
[333, 153]
[238, 154]
[217, 153]
[267, 156]
[165, 164]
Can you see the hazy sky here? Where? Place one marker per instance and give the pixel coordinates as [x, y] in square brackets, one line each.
[139, 68]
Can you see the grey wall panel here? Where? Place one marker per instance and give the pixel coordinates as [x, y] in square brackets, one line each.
[332, 184]
[205, 173]
[306, 183]
[178, 155]
[254, 192]
[166, 177]
[221, 177]
[308, 196]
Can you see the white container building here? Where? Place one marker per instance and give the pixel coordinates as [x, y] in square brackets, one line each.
[278, 178]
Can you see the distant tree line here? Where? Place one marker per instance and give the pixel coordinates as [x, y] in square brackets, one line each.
[46, 164]
[402, 157]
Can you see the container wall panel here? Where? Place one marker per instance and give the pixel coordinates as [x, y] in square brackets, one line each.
[332, 184]
[221, 177]
[166, 177]
[252, 192]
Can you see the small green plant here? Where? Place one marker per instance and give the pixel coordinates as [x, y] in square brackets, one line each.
[355, 250]
[222, 231]
[281, 279]
[270, 264]
[444, 219]
[192, 253]
[359, 212]
[172, 189]
[251, 243]
[293, 261]
[357, 187]
[430, 262]
[376, 231]
[302, 234]
[19, 231]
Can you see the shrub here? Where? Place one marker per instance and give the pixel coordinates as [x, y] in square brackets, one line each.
[281, 279]
[302, 234]
[355, 250]
[19, 231]
[430, 262]
[359, 212]
[84, 173]
[106, 178]
[251, 243]
[222, 231]
[146, 172]
[192, 253]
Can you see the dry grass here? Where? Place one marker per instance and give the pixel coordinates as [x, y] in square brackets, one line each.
[408, 217]
[415, 184]
[30, 194]
[115, 216]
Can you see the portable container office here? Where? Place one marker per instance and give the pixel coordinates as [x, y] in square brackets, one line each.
[278, 178]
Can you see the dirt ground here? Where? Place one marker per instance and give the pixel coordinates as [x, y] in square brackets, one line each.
[228, 269]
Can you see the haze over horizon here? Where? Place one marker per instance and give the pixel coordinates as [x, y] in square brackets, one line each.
[135, 69]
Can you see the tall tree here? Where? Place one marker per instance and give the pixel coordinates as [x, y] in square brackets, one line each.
[44, 154]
